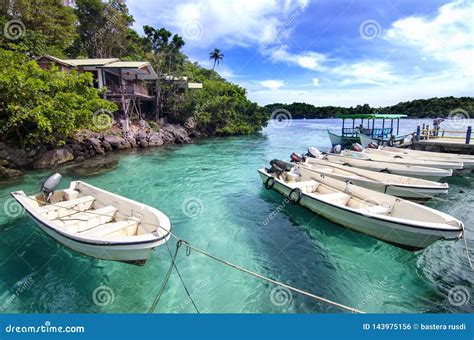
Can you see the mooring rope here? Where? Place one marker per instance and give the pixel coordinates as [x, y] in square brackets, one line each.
[165, 282]
[178, 244]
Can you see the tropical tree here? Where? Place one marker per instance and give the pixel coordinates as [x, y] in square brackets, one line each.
[103, 29]
[217, 56]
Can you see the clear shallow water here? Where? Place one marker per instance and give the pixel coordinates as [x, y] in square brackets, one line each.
[214, 197]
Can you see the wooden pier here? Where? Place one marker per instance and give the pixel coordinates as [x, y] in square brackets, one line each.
[449, 141]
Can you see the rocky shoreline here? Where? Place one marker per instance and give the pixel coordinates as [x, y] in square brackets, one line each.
[87, 144]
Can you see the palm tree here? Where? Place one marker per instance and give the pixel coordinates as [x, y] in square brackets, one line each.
[217, 56]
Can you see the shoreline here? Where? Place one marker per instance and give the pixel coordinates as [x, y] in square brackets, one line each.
[15, 161]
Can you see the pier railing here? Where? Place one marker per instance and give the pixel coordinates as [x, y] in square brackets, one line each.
[425, 133]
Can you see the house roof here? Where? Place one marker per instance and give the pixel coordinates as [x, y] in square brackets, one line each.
[142, 69]
[89, 62]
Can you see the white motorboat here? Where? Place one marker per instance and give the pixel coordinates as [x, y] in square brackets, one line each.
[468, 160]
[431, 174]
[396, 221]
[96, 222]
[396, 185]
[393, 158]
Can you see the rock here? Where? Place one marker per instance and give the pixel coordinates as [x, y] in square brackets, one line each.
[132, 141]
[6, 173]
[94, 144]
[80, 159]
[18, 157]
[175, 134]
[2, 146]
[155, 140]
[125, 145]
[143, 143]
[53, 157]
[106, 146]
[115, 141]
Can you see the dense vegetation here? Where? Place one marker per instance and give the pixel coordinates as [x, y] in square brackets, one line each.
[49, 106]
[45, 106]
[420, 108]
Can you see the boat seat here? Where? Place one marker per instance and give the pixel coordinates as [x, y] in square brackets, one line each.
[305, 186]
[88, 219]
[335, 197]
[66, 208]
[377, 209]
[110, 228]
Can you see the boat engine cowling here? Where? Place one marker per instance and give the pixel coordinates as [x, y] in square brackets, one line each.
[314, 152]
[50, 184]
[337, 148]
[277, 166]
[357, 147]
[296, 158]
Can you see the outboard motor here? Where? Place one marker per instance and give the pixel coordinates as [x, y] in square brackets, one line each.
[357, 147]
[49, 185]
[337, 148]
[296, 158]
[277, 166]
[314, 152]
[373, 145]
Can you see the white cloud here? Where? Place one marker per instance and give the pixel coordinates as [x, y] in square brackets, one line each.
[272, 84]
[447, 37]
[366, 72]
[307, 59]
[375, 96]
[234, 22]
[316, 81]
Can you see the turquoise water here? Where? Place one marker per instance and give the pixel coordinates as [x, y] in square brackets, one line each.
[214, 197]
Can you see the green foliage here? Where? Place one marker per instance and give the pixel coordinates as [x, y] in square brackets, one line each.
[420, 108]
[103, 29]
[45, 106]
[46, 26]
[220, 107]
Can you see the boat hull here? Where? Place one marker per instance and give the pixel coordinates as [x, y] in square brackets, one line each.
[405, 236]
[134, 253]
[430, 174]
[341, 140]
[412, 193]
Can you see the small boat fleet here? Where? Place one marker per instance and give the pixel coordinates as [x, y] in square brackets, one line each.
[95, 222]
[372, 192]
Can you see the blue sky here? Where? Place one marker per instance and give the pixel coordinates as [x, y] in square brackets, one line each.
[340, 52]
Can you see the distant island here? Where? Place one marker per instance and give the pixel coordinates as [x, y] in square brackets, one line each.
[419, 108]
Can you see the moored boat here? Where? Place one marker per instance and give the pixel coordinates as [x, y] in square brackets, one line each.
[396, 221]
[396, 185]
[366, 155]
[468, 160]
[95, 222]
[431, 174]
